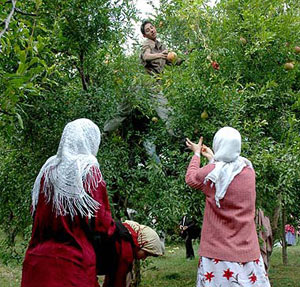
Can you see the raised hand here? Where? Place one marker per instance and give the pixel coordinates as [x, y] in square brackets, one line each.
[207, 152]
[193, 146]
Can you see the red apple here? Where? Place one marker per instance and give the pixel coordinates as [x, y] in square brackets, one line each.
[215, 65]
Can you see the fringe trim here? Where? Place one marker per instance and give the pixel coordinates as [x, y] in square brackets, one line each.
[80, 202]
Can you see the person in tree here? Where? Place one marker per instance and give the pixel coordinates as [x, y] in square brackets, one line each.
[154, 58]
[229, 249]
[133, 242]
[68, 192]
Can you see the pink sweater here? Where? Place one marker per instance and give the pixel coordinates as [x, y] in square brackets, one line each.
[228, 233]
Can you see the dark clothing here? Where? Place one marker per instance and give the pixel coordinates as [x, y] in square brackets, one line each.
[60, 251]
[191, 232]
[125, 256]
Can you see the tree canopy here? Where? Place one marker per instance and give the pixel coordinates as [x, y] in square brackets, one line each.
[62, 60]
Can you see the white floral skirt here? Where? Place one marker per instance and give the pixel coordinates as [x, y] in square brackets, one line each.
[217, 273]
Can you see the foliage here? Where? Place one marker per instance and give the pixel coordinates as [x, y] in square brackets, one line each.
[68, 61]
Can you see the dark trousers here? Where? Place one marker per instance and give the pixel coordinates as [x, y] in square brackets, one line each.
[189, 247]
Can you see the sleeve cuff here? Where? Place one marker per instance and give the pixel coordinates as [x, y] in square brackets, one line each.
[197, 154]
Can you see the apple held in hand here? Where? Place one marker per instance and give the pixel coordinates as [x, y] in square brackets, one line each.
[172, 57]
[289, 66]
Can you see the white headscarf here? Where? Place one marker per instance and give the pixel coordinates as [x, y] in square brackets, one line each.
[227, 160]
[148, 239]
[65, 173]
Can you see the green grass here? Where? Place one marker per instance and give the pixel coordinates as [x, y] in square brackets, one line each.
[173, 270]
[287, 276]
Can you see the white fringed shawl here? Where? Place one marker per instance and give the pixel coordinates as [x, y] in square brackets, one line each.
[66, 173]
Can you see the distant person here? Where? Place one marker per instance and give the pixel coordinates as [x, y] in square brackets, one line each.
[229, 250]
[290, 234]
[189, 231]
[264, 229]
[134, 242]
[69, 191]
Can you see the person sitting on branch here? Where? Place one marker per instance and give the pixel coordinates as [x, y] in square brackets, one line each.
[154, 57]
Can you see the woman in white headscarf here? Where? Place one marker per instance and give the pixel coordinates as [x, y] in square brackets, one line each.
[229, 250]
[69, 192]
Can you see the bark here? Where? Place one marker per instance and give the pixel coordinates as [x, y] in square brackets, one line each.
[81, 71]
[25, 13]
[275, 220]
[8, 19]
[6, 113]
[284, 243]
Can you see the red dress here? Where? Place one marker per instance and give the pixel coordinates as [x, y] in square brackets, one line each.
[125, 253]
[60, 253]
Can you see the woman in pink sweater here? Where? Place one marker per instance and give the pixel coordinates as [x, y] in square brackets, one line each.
[229, 250]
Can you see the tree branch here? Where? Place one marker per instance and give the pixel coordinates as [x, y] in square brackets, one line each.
[6, 113]
[7, 20]
[24, 13]
[81, 71]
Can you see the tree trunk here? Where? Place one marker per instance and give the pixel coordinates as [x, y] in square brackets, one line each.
[136, 278]
[284, 243]
[81, 71]
[275, 220]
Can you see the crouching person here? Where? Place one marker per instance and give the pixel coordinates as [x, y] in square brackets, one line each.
[133, 242]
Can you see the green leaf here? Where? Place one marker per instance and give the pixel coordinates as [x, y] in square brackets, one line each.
[20, 121]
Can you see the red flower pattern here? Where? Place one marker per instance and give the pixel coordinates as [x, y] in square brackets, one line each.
[256, 261]
[216, 261]
[227, 273]
[209, 276]
[253, 278]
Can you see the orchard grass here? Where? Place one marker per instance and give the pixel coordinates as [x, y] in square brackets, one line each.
[173, 270]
